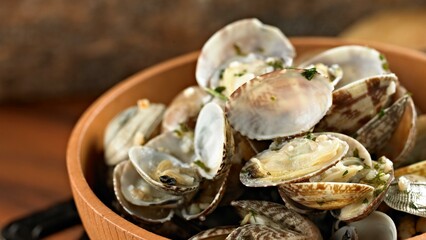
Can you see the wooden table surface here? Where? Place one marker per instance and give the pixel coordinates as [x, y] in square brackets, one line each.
[33, 142]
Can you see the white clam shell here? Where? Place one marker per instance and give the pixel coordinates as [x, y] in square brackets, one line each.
[251, 36]
[357, 62]
[278, 104]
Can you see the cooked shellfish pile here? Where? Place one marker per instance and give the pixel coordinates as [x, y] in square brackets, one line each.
[295, 149]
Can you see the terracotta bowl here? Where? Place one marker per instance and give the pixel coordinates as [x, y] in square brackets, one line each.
[160, 84]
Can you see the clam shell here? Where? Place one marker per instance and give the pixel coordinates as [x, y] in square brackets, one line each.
[184, 108]
[412, 200]
[210, 193]
[419, 150]
[260, 231]
[137, 191]
[274, 167]
[279, 104]
[146, 159]
[376, 133]
[147, 214]
[218, 233]
[326, 195]
[278, 217]
[364, 207]
[416, 168]
[131, 127]
[402, 142]
[297, 207]
[241, 37]
[357, 62]
[214, 142]
[178, 144]
[357, 103]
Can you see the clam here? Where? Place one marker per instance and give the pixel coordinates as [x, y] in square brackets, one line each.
[218, 233]
[142, 210]
[164, 171]
[379, 176]
[131, 127]
[408, 194]
[377, 225]
[376, 134]
[184, 108]
[244, 41]
[213, 143]
[137, 191]
[297, 160]
[357, 62]
[326, 195]
[206, 199]
[267, 220]
[279, 104]
[357, 103]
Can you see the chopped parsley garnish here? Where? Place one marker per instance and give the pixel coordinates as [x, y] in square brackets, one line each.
[385, 64]
[200, 164]
[183, 128]
[238, 50]
[381, 113]
[365, 201]
[217, 92]
[276, 64]
[356, 153]
[240, 73]
[221, 73]
[412, 205]
[309, 136]
[346, 172]
[309, 73]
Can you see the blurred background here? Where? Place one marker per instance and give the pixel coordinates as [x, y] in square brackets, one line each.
[57, 56]
[51, 48]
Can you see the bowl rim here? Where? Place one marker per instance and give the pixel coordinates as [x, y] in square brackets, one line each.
[76, 176]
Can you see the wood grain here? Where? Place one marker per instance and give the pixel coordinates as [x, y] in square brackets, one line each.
[32, 157]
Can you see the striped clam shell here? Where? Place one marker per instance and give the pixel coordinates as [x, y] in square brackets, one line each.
[326, 195]
[278, 217]
[357, 103]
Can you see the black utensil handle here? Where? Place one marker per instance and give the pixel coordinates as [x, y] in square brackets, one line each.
[42, 223]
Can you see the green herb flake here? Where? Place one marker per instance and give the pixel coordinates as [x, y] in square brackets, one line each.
[309, 136]
[346, 172]
[217, 94]
[309, 73]
[382, 57]
[222, 71]
[276, 64]
[381, 113]
[356, 153]
[412, 205]
[240, 73]
[238, 50]
[253, 214]
[200, 164]
[365, 201]
[220, 89]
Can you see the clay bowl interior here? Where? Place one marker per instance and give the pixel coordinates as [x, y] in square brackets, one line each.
[160, 84]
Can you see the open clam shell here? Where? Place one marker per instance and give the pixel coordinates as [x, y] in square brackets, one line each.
[357, 103]
[218, 233]
[214, 142]
[278, 221]
[418, 168]
[357, 62]
[153, 214]
[326, 195]
[137, 191]
[297, 160]
[184, 108]
[365, 206]
[164, 171]
[279, 104]
[411, 199]
[206, 199]
[179, 143]
[376, 134]
[131, 127]
[240, 38]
